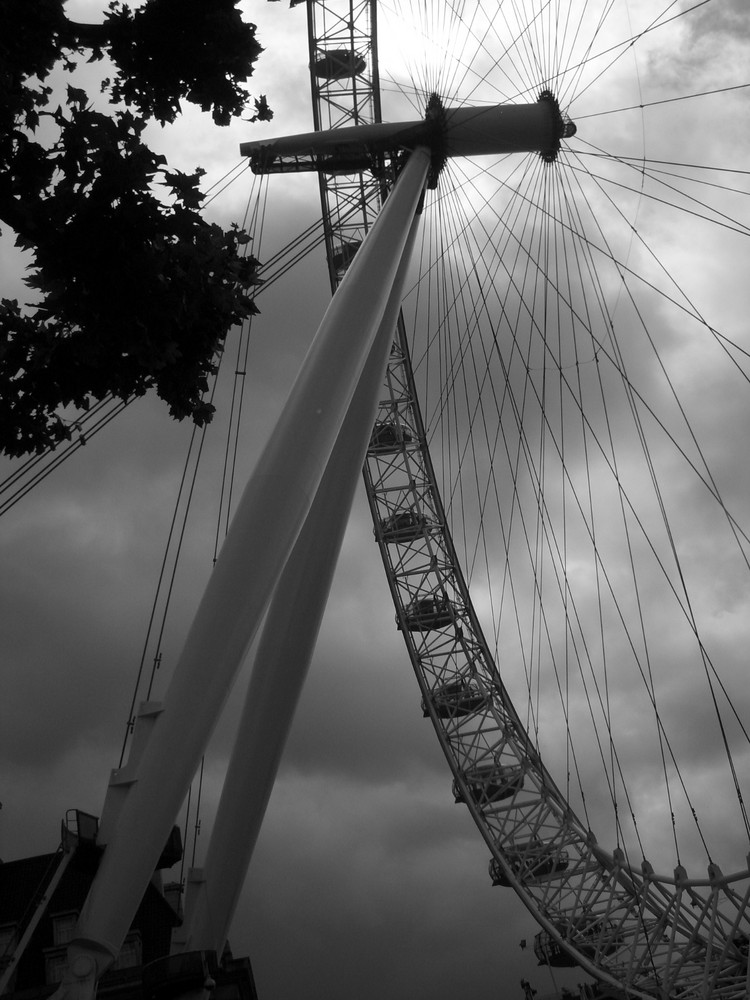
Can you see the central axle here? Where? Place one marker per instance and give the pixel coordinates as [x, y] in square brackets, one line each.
[446, 132]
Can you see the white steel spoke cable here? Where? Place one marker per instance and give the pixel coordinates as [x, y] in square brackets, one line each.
[642, 166]
[529, 544]
[623, 514]
[480, 397]
[417, 84]
[568, 599]
[476, 412]
[723, 343]
[611, 767]
[530, 22]
[538, 475]
[620, 49]
[83, 426]
[530, 396]
[606, 254]
[663, 100]
[463, 59]
[223, 183]
[643, 161]
[572, 74]
[509, 46]
[612, 451]
[454, 331]
[474, 308]
[732, 224]
[33, 471]
[510, 40]
[164, 577]
[463, 64]
[685, 602]
[521, 509]
[239, 390]
[252, 223]
[600, 348]
[631, 390]
[524, 204]
[449, 58]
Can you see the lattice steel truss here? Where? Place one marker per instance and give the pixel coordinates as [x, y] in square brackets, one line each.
[346, 91]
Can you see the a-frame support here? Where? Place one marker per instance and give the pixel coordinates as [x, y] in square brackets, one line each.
[267, 524]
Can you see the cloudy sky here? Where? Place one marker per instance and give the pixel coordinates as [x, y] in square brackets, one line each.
[368, 880]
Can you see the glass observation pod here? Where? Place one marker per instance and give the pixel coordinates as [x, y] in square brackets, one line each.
[387, 436]
[529, 862]
[339, 64]
[488, 783]
[597, 935]
[343, 257]
[455, 700]
[404, 526]
[428, 613]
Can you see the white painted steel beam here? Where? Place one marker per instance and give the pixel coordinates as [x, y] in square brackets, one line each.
[268, 519]
[503, 128]
[283, 655]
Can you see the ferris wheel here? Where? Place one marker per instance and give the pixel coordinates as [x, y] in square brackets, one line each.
[556, 474]
[540, 492]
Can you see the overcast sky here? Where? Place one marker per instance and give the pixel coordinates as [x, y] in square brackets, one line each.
[368, 881]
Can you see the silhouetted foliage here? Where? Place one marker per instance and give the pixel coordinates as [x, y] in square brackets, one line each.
[134, 289]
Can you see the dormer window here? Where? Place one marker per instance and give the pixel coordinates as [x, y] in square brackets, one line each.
[130, 953]
[63, 927]
[56, 957]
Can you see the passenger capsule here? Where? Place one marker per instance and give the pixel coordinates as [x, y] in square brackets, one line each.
[588, 936]
[343, 257]
[529, 862]
[488, 783]
[404, 526]
[549, 951]
[455, 700]
[388, 436]
[428, 613]
[338, 64]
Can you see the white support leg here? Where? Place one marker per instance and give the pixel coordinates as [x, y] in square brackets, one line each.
[283, 656]
[265, 527]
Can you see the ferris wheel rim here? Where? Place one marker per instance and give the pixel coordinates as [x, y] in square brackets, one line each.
[607, 863]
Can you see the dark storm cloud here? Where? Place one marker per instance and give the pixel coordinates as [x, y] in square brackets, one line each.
[727, 21]
[405, 903]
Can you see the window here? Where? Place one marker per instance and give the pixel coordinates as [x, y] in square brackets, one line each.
[63, 926]
[55, 963]
[56, 958]
[130, 953]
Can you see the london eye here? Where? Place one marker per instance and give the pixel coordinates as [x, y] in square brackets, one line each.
[519, 259]
[556, 471]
